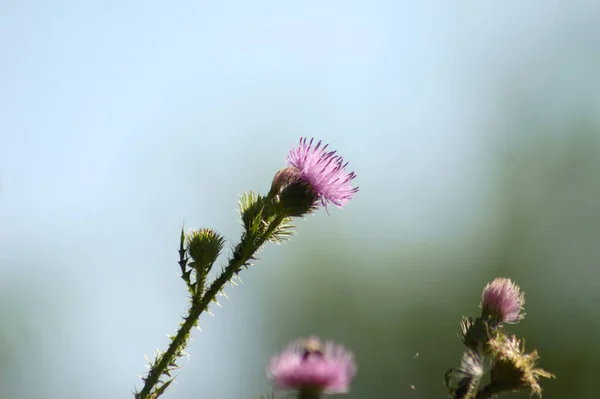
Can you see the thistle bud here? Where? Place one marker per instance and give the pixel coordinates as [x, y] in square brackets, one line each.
[292, 195]
[476, 333]
[204, 247]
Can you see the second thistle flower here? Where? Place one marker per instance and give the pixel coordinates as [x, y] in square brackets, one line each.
[502, 300]
[312, 367]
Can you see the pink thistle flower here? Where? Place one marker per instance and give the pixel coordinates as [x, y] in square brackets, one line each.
[310, 366]
[324, 172]
[502, 299]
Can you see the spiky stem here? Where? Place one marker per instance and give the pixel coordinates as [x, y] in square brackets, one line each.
[240, 257]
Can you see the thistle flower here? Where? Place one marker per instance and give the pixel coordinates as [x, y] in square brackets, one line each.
[513, 369]
[323, 172]
[503, 301]
[312, 367]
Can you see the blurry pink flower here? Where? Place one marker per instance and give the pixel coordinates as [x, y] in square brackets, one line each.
[310, 366]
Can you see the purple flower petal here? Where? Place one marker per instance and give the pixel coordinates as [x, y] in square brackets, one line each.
[311, 365]
[324, 171]
[503, 300]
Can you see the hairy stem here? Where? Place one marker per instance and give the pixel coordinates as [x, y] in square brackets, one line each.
[239, 259]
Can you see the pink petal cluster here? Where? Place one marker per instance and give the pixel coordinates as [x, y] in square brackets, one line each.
[308, 365]
[324, 171]
[503, 300]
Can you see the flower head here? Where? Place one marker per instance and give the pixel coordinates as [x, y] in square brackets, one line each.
[309, 365]
[502, 300]
[324, 172]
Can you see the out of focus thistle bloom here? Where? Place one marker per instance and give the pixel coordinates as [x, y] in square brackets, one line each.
[316, 175]
[312, 367]
[472, 364]
[503, 301]
[513, 369]
[490, 350]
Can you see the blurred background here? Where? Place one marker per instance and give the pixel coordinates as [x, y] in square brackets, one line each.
[473, 128]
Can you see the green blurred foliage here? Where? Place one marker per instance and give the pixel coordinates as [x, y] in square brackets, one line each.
[15, 338]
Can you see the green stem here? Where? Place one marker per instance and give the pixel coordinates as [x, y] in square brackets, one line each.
[308, 395]
[240, 257]
[486, 392]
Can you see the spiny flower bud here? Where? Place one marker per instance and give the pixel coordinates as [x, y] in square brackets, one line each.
[292, 195]
[502, 301]
[204, 247]
[513, 369]
[476, 333]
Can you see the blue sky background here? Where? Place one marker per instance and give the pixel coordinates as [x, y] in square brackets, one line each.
[121, 119]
